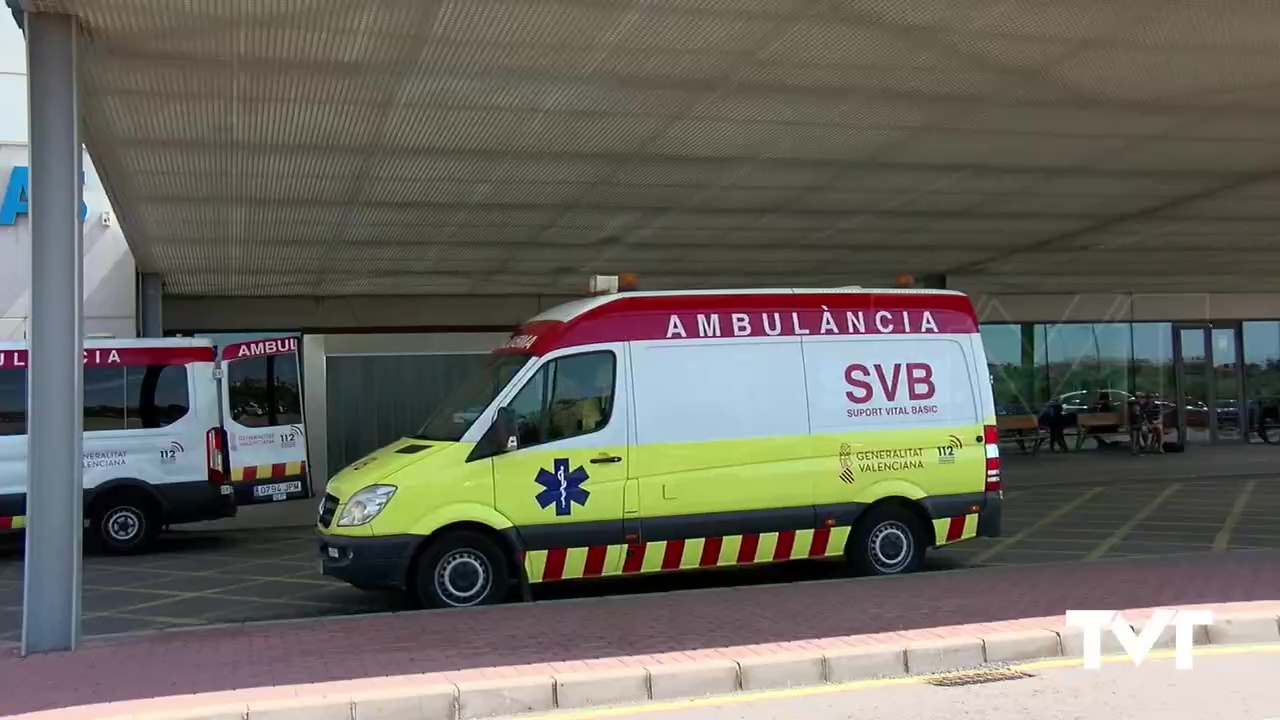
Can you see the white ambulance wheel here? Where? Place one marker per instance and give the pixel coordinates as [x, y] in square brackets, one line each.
[124, 522]
[462, 569]
[889, 540]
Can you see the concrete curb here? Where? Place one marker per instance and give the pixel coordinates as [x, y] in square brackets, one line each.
[541, 688]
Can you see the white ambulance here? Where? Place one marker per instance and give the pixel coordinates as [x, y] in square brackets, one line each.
[154, 452]
[262, 411]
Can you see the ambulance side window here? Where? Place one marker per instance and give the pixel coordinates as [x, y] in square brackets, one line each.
[567, 397]
[581, 395]
[527, 407]
[104, 399]
[157, 394]
[13, 402]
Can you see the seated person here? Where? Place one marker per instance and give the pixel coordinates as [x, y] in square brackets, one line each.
[1153, 417]
[1134, 413]
[1099, 432]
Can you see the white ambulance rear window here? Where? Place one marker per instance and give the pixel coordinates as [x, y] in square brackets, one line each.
[265, 391]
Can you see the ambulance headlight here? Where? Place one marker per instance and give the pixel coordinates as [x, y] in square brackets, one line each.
[365, 505]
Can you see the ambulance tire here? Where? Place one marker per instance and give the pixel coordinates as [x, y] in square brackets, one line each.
[124, 522]
[461, 569]
[888, 540]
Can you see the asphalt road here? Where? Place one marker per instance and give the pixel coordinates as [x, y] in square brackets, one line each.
[1070, 511]
[1241, 686]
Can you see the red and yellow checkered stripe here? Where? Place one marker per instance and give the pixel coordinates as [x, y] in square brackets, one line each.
[12, 523]
[637, 558]
[955, 529]
[584, 562]
[274, 471]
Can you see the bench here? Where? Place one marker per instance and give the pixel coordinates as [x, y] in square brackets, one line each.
[1105, 425]
[1021, 429]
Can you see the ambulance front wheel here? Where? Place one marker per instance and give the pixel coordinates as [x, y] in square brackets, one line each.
[889, 540]
[461, 569]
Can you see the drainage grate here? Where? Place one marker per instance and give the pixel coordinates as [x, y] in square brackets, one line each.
[977, 677]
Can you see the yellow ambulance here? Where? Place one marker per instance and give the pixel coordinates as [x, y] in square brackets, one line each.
[629, 433]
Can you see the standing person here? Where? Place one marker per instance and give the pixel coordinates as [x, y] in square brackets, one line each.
[1057, 428]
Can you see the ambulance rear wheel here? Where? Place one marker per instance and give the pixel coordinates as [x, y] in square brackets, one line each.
[461, 569]
[890, 540]
[124, 522]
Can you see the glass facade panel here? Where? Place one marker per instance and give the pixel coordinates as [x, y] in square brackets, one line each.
[1011, 375]
[1153, 370]
[1093, 367]
[1262, 378]
[1087, 367]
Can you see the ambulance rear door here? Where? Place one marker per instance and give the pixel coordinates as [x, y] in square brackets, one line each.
[262, 414]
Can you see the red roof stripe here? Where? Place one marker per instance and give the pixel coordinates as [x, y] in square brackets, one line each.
[121, 356]
[259, 348]
[689, 317]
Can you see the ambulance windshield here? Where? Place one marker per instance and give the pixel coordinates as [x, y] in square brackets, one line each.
[452, 417]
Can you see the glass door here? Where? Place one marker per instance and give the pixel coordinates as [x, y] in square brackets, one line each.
[1191, 397]
[1229, 408]
[1209, 384]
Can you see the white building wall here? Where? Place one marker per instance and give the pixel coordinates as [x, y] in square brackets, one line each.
[110, 280]
[13, 82]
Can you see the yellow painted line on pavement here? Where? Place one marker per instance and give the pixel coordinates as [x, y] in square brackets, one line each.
[1042, 522]
[1223, 540]
[818, 690]
[1107, 545]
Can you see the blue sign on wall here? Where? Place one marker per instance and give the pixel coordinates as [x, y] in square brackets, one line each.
[17, 192]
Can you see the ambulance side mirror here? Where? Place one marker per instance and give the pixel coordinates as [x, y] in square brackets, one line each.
[504, 431]
[501, 437]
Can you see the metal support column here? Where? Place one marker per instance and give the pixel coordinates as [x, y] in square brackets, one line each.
[150, 305]
[55, 391]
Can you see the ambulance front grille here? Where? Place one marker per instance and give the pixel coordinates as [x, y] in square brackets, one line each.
[327, 508]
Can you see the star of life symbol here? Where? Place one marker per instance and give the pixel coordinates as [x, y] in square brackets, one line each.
[561, 487]
[846, 463]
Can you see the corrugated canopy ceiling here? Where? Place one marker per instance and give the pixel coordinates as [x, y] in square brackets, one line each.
[340, 147]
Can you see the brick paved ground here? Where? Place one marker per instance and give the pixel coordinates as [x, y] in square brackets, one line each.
[569, 632]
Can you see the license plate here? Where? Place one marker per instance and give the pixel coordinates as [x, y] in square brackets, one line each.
[277, 489]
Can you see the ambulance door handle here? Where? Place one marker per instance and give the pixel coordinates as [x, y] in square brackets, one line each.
[606, 459]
